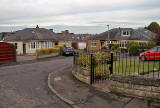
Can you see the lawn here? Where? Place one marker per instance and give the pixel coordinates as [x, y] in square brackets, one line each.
[127, 67]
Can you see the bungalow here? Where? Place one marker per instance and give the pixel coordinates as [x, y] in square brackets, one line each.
[77, 41]
[120, 36]
[28, 40]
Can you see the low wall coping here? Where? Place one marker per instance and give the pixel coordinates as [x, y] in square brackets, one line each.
[137, 80]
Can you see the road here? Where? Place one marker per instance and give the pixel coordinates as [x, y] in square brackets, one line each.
[25, 85]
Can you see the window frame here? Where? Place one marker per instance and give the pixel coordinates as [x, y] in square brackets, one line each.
[127, 33]
[94, 43]
[34, 45]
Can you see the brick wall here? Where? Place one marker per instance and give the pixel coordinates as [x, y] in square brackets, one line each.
[91, 48]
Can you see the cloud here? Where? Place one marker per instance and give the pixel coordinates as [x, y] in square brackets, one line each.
[127, 13]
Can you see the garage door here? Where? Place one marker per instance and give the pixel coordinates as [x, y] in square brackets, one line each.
[7, 53]
[81, 45]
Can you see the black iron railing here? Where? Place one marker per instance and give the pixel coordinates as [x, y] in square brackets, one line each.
[143, 66]
[119, 64]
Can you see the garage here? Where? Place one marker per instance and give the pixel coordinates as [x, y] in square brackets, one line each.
[81, 45]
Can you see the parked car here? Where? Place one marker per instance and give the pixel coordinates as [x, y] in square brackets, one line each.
[151, 54]
[68, 51]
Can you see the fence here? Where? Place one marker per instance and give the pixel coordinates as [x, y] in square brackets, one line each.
[7, 53]
[147, 66]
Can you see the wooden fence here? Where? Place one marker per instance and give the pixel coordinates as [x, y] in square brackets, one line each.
[7, 53]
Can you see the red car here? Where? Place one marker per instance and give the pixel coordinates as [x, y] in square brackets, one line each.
[151, 54]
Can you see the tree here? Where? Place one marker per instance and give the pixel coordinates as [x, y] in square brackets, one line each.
[157, 39]
[152, 27]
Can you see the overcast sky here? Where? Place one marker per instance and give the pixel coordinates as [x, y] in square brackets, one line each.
[80, 16]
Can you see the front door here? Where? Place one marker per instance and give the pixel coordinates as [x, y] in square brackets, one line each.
[24, 48]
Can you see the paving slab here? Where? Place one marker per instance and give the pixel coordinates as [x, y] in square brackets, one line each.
[86, 96]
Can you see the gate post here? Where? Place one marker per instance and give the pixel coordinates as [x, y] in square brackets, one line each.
[74, 58]
[111, 66]
[92, 69]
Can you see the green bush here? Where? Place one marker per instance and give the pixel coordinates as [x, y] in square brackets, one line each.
[40, 52]
[83, 61]
[104, 47]
[61, 47]
[135, 48]
[115, 47]
[101, 55]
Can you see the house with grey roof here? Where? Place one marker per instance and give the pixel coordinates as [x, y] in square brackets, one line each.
[120, 36]
[28, 40]
[77, 41]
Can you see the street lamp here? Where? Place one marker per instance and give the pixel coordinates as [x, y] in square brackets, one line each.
[108, 36]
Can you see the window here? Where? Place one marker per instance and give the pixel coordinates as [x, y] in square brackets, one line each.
[122, 44]
[47, 45]
[93, 43]
[153, 50]
[33, 45]
[158, 49]
[125, 33]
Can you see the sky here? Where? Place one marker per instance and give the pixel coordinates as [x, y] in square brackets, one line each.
[78, 16]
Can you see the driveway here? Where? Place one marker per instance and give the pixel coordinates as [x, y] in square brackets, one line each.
[25, 86]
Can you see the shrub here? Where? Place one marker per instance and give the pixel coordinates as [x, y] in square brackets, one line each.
[40, 52]
[83, 61]
[61, 47]
[104, 47]
[136, 48]
[115, 47]
[101, 55]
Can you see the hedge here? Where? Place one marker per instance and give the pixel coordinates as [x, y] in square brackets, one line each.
[40, 52]
[136, 50]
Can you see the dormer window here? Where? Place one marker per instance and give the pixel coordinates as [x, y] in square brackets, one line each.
[125, 33]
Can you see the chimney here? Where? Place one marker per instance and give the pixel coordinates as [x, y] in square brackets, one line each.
[51, 30]
[66, 31]
[37, 29]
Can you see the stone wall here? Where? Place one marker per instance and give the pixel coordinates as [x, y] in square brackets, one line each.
[81, 74]
[136, 86]
[95, 48]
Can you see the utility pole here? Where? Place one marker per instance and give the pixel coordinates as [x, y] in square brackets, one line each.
[108, 36]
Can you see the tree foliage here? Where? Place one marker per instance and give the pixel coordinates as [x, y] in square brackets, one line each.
[153, 26]
[157, 39]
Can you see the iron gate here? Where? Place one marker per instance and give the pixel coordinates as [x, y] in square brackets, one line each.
[100, 69]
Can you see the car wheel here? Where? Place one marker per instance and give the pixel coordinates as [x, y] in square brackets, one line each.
[143, 58]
